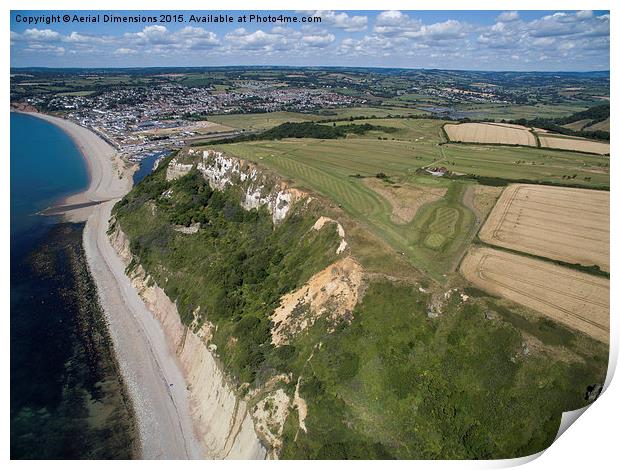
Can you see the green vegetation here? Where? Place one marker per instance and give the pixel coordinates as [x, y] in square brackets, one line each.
[393, 382]
[233, 271]
[312, 130]
[591, 116]
[398, 384]
[262, 121]
[511, 164]
[412, 372]
[336, 169]
[327, 166]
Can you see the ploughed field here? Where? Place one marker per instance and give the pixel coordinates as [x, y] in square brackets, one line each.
[576, 299]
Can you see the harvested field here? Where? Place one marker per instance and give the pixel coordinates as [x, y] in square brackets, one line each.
[599, 126]
[490, 133]
[405, 199]
[577, 125]
[565, 224]
[578, 300]
[578, 145]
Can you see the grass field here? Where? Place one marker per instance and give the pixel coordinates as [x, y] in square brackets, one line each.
[262, 121]
[419, 131]
[329, 167]
[509, 112]
[535, 164]
[435, 239]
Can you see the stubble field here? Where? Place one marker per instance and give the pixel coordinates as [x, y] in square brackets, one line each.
[565, 224]
[578, 300]
[490, 133]
[576, 145]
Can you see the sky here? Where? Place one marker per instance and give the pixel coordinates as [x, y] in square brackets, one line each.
[461, 40]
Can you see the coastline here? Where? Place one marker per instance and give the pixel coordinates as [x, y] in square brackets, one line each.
[109, 177]
[165, 426]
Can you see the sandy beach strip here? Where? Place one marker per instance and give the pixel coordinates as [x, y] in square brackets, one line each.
[109, 176]
[150, 369]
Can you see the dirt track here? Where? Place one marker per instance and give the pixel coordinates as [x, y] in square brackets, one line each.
[578, 300]
[565, 224]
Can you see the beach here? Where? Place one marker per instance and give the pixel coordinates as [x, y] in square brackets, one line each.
[109, 176]
[149, 367]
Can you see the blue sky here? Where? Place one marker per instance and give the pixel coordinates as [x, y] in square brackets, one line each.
[481, 40]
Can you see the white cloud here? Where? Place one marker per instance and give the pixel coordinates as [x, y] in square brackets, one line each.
[154, 34]
[197, 38]
[341, 20]
[508, 16]
[254, 41]
[393, 23]
[450, 29]
[318, 40]
[125, 51]
[45, 49]
[40, 35]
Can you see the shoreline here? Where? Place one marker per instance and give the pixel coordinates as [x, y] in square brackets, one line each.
[108, 176]
[165, 425]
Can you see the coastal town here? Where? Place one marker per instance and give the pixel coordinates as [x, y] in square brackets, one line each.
[141, 121]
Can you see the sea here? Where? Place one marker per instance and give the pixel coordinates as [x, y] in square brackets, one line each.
[68, 400]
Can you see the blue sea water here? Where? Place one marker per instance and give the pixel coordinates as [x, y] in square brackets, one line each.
[45, 167]
[67, 397]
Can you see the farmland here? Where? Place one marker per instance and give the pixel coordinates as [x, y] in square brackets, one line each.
[524, 163]
[511, 134]
[337, 169]
[577, 145]
[394, 331]
[423, 218]
[487, 133]
[420, 131]
[578, 300]
[262, 121]
[566, 224]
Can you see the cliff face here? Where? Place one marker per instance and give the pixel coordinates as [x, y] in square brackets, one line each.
[251, 426]
[220, 417]
[260, 188]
